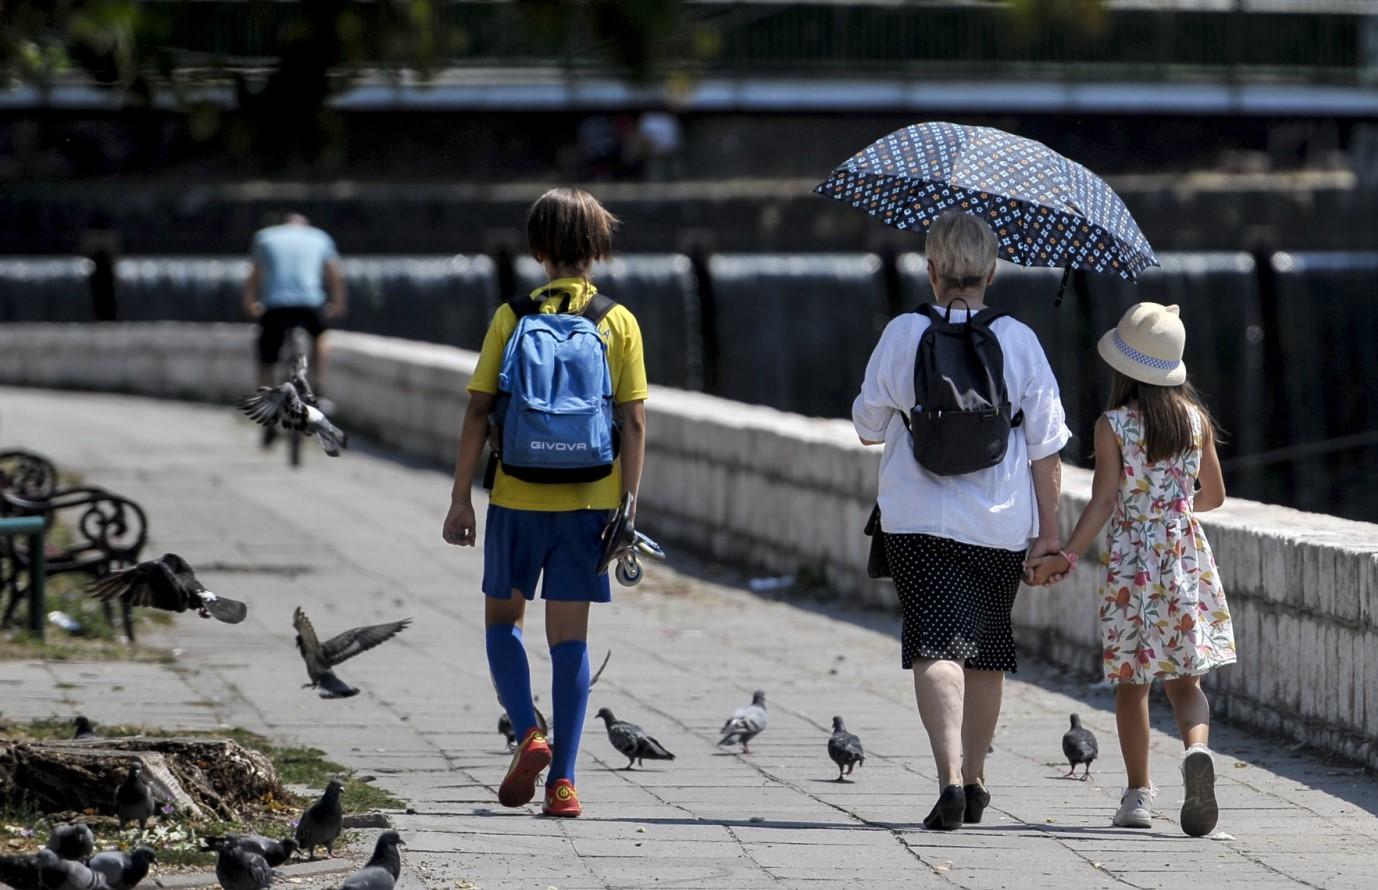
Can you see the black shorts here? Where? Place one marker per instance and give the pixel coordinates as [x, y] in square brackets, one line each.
[274, 324]
[955, 599]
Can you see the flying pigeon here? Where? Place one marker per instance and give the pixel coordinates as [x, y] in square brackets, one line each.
[382, 869]
[83, 727]
[632, 740]
[746, 723]
[239, 869]
[321, 657]
[123, 871]
[20, 872]
[72, 841]
[1080, 747]
[844, 748]
[321, 823]
[508, 732]
[273, 852]
[294, 406]
[63, 874]
[133, 799]
[167, 583]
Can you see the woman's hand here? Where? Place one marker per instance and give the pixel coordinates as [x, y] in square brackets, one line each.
[1045, 571]
[460, 528]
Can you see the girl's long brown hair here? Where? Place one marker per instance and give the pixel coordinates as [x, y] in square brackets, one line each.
[1166, 412]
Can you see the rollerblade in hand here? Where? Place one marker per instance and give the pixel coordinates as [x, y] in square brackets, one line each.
[625, 545]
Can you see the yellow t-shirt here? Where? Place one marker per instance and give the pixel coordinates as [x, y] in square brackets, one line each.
[626, 362]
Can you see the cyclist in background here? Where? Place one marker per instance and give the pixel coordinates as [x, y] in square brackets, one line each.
[295, 281]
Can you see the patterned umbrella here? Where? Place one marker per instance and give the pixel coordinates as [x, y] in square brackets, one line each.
[1044, 209]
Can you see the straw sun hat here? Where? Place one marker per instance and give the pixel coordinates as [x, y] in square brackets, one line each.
[1147, 345]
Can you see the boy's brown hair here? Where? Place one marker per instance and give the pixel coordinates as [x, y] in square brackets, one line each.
[570, 228]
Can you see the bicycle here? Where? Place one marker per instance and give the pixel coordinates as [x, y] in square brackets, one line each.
[297, 342]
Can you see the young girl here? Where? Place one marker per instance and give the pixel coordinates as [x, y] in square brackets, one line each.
[1163, 613]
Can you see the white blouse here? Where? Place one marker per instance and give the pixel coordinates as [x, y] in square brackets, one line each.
[994, 507]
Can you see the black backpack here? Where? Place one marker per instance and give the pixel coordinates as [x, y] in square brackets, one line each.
[961, 421]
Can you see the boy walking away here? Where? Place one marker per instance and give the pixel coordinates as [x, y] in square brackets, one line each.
[1163, 614]
[560, 389]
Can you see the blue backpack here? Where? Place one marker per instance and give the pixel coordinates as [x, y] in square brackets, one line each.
[554, 412]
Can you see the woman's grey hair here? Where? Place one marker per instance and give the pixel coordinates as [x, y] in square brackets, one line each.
[961, 248]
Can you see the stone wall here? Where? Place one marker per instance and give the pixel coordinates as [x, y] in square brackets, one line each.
[783, 493]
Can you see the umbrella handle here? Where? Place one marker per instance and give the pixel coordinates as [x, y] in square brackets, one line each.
[1066, 273]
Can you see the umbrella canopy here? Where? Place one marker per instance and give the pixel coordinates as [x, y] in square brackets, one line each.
[1045, 210]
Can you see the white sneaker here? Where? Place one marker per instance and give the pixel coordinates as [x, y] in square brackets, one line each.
[1136, 808]
[1199, 809]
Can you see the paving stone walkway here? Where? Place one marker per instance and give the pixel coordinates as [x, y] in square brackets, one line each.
[357, 540]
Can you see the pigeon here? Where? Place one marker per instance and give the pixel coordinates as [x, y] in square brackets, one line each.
[273, 852]
[55, 873]
[83, 727]
[133, 799]
[123, 871]
[321, 657]
[167, 583]
[239, 869]
[382, 869]
[844, 748]
[321, 823]
[72, 841]
[295, 407]
[746, 723]
[505, 728]
[632, 740]
[1080, 747]
[20, 872]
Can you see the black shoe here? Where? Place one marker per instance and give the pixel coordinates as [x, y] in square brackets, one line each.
[947, 812]
[978, 799]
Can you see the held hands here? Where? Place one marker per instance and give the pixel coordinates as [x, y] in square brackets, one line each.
[1045, 571]
[1045, 566]
[460, 525]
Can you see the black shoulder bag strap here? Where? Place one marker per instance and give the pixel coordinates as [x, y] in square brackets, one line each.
[985, 318]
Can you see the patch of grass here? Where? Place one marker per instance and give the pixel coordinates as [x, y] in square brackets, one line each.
[178, 840]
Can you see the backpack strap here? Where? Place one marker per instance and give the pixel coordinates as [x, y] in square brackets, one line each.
[598, 308]
[595, 311]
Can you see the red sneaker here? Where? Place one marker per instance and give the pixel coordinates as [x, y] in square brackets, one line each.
[562, 800]
[532, 756]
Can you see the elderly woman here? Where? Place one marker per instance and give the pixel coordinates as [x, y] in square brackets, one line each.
[956, 540]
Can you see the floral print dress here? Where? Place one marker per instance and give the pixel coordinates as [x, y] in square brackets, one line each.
[1163, 612]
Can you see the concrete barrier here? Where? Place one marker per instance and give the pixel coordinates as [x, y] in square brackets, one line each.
[784, 493]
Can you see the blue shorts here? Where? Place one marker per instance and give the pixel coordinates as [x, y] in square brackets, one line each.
[519, 545]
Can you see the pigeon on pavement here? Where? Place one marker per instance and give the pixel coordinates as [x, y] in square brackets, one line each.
[239, 869]
[321, 657]
[167, 583]
[133, 799]
[123, 871]
[632, 740]
[321, 823]
[382, 869]
[505, 728]
[845, 749]
[63, 874]
[746, 723]
[83, 727]
[274, 852]
[72, 841]
[295, 407]
[1080, 747]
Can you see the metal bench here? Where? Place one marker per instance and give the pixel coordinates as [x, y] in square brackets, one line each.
[108, 532]
[33, 528]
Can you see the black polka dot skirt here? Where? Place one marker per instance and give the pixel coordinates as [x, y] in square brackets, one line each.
[955, 599]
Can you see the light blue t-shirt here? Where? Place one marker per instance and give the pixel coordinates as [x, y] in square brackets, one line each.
[291, 259]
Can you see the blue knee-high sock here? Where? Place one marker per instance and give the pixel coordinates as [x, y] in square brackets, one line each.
[512, 675]
[570, 696]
